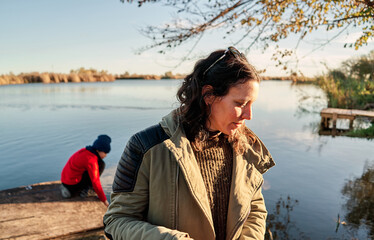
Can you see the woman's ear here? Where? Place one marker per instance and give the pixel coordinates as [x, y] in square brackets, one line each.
[207, 93]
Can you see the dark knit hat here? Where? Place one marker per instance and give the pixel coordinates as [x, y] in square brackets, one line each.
[102, 143]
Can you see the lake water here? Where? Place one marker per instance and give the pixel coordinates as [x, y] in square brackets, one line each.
[42, 125]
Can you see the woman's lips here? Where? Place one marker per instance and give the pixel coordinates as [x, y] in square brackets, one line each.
[238, 124]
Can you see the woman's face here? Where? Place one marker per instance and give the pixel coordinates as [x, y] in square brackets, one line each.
[229, 112]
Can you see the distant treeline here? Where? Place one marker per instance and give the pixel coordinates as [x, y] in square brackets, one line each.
[80, 75]
[293, 77]
[167, 75]
[92, 75]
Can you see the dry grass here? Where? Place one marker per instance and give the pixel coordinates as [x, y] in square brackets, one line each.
[47, 78]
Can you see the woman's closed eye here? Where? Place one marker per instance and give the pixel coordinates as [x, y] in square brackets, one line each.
[241, 104]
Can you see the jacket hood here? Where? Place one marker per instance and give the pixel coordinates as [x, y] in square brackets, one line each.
[260, 155]
[170, 123]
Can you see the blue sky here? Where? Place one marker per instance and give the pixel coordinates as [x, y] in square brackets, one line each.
[57, 36]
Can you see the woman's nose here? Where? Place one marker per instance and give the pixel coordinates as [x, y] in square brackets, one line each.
[247, 112]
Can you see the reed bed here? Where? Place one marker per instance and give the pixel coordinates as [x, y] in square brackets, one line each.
[352, 85]
[47, 78]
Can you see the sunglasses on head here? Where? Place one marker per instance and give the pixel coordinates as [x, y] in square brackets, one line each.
[235, 52]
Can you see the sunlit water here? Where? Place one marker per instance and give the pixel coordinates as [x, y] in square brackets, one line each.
[42, 125]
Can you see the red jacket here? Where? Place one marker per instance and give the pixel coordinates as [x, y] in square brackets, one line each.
[81, 161]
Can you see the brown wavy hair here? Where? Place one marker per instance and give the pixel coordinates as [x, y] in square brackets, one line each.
[224, 74]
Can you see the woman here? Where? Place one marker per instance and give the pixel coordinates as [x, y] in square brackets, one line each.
[198, 173]
[83, 169]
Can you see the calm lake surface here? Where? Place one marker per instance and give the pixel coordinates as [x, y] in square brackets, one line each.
[42, 125]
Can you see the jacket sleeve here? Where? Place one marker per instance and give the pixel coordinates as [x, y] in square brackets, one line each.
[93, 172]
[126, 217]
[254, 227]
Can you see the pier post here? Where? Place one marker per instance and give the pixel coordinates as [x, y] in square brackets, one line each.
[334, 118]
[351, 124]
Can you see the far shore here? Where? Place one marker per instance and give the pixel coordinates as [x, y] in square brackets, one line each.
[47, 78]
[83, 75]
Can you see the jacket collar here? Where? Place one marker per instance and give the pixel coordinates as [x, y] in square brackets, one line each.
[259, 155]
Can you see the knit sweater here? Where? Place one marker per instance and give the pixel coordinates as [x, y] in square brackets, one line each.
[215, 162]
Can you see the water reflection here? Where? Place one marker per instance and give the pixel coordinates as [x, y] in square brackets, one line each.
[309, 102]
[279, 224]
[80, 106]
[359, 204]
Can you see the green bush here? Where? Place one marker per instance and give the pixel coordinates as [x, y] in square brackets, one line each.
[365, 133]
[352, 85]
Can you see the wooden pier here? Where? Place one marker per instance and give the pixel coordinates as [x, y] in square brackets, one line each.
[39, 212]
[333, 114]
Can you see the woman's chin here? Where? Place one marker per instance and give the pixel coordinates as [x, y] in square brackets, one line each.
[231, 131]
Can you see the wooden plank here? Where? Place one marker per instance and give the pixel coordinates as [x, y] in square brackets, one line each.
[329, 116]
[340, 113]
[337, 110]
[39, 212]
[90, 235]
[363, 113]
[346, 112]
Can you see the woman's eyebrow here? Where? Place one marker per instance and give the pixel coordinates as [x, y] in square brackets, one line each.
[243, 100]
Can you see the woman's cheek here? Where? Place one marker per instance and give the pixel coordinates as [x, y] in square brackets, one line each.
[238, 112]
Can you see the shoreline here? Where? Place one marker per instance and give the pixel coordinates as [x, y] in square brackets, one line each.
[88, 76]
[46, 78]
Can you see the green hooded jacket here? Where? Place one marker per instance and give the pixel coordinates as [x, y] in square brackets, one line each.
[168, 199]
